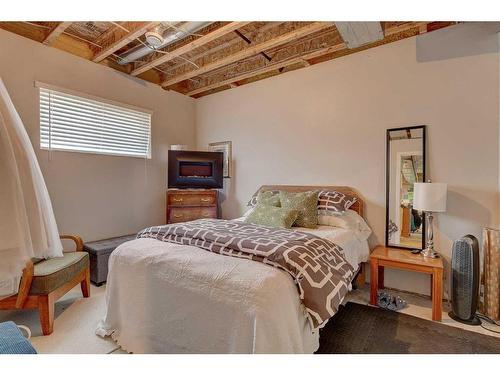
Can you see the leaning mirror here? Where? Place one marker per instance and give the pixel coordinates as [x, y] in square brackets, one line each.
[405, 166]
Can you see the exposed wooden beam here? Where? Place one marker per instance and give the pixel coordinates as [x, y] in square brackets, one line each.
[242, 36]
[436, 25]
[221, 31]
[227, 45]
[305, 62]
[74, 46]
[54, 34]
[250, 51]
[25, 30]
[268, 68]
[124, 40]
[422, 29]
[406, 26]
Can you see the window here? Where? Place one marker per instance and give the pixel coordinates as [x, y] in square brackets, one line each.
[76, 122]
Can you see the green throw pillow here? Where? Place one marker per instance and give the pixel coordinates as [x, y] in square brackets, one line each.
[268, 198]
[307, 205]
[272, 216]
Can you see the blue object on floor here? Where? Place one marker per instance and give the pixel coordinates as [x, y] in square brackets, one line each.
[387, 301]
[12, 340]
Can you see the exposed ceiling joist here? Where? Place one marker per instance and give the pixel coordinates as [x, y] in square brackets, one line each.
[54, 34]
[221, 61]
[181, 63]
[124, 40]
[250, 51]
[221, 31]
[265, 55]
[276, 66]
[406, 26]
[422, 28]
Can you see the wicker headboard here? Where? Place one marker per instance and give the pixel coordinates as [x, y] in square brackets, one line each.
[358, 206]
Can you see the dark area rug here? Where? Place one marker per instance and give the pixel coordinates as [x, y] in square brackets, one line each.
[369, 330]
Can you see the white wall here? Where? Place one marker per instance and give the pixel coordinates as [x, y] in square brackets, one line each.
[326, 124]
[97, 196]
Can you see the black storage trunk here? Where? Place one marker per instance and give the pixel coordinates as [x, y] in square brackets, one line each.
[99, 252]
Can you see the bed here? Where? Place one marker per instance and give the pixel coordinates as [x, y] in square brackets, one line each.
[165, 297]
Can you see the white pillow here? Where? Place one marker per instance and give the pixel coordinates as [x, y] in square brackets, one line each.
[348, 220]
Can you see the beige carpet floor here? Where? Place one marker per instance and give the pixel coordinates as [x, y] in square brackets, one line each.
[75, 321]
[77, 318]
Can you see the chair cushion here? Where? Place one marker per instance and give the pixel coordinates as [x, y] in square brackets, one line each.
[52, 273]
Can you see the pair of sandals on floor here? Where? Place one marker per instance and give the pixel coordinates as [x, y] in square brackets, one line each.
[387, 301]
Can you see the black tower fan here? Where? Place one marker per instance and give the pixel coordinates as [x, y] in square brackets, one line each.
[465, 280]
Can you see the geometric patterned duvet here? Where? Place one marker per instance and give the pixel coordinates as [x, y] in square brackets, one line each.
[317, 265]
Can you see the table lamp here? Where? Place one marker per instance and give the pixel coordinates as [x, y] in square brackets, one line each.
[429, 197]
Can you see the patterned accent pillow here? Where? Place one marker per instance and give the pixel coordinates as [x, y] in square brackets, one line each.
[253, 201]
[272, 216]
[307, 205]
[334, 202]
[268, 198]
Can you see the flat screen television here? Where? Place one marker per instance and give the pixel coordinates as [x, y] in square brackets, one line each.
[195, 169]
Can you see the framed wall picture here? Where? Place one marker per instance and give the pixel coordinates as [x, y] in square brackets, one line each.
[226, 148]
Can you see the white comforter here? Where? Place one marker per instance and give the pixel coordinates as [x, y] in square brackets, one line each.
[168, 298]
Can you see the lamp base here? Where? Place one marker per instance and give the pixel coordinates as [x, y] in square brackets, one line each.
[429, 252]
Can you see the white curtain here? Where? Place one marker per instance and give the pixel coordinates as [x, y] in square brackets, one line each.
[27, 225]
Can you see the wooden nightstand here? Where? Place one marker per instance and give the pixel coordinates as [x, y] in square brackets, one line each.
[383, 257]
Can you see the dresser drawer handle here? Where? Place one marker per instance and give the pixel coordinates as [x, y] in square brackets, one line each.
[178, 216]
[177, 199]
[207, 214]
[206, 199]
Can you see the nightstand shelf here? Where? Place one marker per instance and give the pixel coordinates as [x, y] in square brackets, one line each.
[388, 257]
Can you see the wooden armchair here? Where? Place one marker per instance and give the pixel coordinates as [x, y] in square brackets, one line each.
[45, 281]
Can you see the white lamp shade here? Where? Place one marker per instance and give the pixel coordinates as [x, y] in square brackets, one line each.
[429, 196]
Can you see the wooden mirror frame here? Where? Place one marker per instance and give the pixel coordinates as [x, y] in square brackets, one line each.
[387, 182]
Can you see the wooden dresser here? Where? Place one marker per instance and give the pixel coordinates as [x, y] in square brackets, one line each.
[191, 204]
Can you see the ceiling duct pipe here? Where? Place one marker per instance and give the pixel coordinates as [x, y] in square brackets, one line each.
[170, 36]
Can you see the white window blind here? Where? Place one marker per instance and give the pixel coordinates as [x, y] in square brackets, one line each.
[72, 122]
